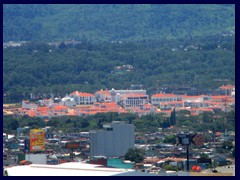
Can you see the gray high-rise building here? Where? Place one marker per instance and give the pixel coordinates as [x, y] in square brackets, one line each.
[113, 141]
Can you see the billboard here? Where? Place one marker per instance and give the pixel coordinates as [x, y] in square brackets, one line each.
[198, 140]
[72, 145]
[37, 140]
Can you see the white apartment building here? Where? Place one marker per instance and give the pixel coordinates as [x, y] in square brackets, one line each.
[157, 99]
[134, 100]
[115, 95]
[83, 98]
[113, 141]
[196, 101]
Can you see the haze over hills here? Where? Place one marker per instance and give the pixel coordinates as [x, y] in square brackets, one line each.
[125, 22]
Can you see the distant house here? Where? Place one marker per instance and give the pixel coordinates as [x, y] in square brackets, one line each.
[227, 89]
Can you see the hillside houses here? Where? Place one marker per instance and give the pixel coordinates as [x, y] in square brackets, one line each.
[128, 101]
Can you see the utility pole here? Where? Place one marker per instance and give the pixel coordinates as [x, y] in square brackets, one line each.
[184, 139]
[187, 158]
[225, 116]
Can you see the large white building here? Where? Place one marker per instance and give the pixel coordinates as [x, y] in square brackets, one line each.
[72, 169]
[125, 98]
[129, 101]
[83, 98]
[157, 99]
[113, 141]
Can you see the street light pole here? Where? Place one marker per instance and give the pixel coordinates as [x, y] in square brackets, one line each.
[187, 158]
[184, 139]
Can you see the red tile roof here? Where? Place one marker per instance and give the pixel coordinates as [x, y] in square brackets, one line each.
[219, 97]
[192, 97]
[58, 108]
[227, 87]
[105, 92]
[43, 108]
[134, 95]
[82, 94]
[164, 95]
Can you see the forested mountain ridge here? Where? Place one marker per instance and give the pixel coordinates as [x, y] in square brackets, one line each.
[39, 68]
[112, 22]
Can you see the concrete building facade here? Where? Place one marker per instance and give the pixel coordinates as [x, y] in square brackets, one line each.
[113, 141]
[83, 98]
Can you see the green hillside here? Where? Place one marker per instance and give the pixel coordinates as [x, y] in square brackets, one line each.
[125, 22]
[39, 68]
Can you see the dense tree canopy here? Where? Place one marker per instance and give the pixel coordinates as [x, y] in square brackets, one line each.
[37, 68]
[114, 22]
[135, 155]
[147, 123]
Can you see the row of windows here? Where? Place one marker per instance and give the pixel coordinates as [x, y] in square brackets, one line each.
[134, 102]
[137, 97]
[134, 105]
[164, 99]
[82, 98]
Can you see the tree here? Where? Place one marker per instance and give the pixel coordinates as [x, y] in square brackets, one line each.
[173, 117]
[135, 155]
[204, 156]
[233, 152]
[227, 145]
[170, 139]
[169, 167]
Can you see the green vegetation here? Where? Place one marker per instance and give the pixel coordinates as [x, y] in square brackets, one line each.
[172, 139]
[169, 167]
[227, 145]
[114, 22]
[135, 155]
[147, 123]
[40, 69]
[233, 152]
[204, 156]
[167, 45]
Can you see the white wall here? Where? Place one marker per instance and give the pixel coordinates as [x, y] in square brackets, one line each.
[36, 158]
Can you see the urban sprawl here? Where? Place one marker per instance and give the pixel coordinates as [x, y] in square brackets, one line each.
[102, 152]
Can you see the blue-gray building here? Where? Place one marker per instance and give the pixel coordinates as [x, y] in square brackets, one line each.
[113, 141]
